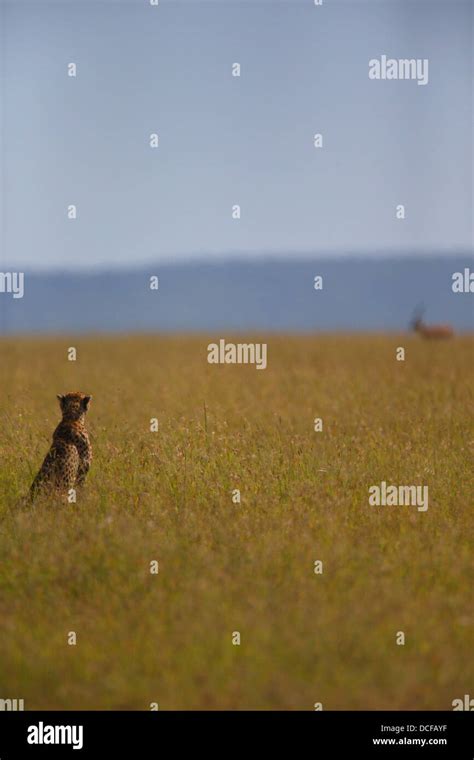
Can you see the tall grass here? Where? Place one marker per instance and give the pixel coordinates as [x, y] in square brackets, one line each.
[247, 567]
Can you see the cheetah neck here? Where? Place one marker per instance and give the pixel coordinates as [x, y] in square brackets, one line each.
[76, 421]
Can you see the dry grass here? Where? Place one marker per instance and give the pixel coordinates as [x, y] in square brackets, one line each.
[226, 567]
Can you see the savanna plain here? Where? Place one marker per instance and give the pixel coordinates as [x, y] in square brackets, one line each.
[224, 567]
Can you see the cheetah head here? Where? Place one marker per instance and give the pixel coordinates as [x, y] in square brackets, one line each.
[74, 405]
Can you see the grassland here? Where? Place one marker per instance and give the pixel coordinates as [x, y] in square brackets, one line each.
[245, 567]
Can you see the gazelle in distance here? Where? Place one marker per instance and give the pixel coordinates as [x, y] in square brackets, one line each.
[435, 332]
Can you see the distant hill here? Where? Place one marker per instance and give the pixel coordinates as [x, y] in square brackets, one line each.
[268, 295]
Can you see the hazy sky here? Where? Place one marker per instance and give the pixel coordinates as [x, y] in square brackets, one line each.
[227, 140]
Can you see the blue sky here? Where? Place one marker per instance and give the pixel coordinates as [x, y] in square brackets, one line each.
[227, 140]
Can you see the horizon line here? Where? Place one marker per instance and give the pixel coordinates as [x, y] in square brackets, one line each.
[250, 257]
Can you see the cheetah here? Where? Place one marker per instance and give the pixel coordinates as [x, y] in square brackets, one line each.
[67, 462]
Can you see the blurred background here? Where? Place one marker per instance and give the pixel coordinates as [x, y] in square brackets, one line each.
[226, 140]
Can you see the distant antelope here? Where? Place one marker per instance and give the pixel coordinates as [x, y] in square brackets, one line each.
[430, 331]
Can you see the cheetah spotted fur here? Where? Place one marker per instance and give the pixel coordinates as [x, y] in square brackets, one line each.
[67, 462]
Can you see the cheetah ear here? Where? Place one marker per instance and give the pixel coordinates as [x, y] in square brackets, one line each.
[86, 401]
[60, 397]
